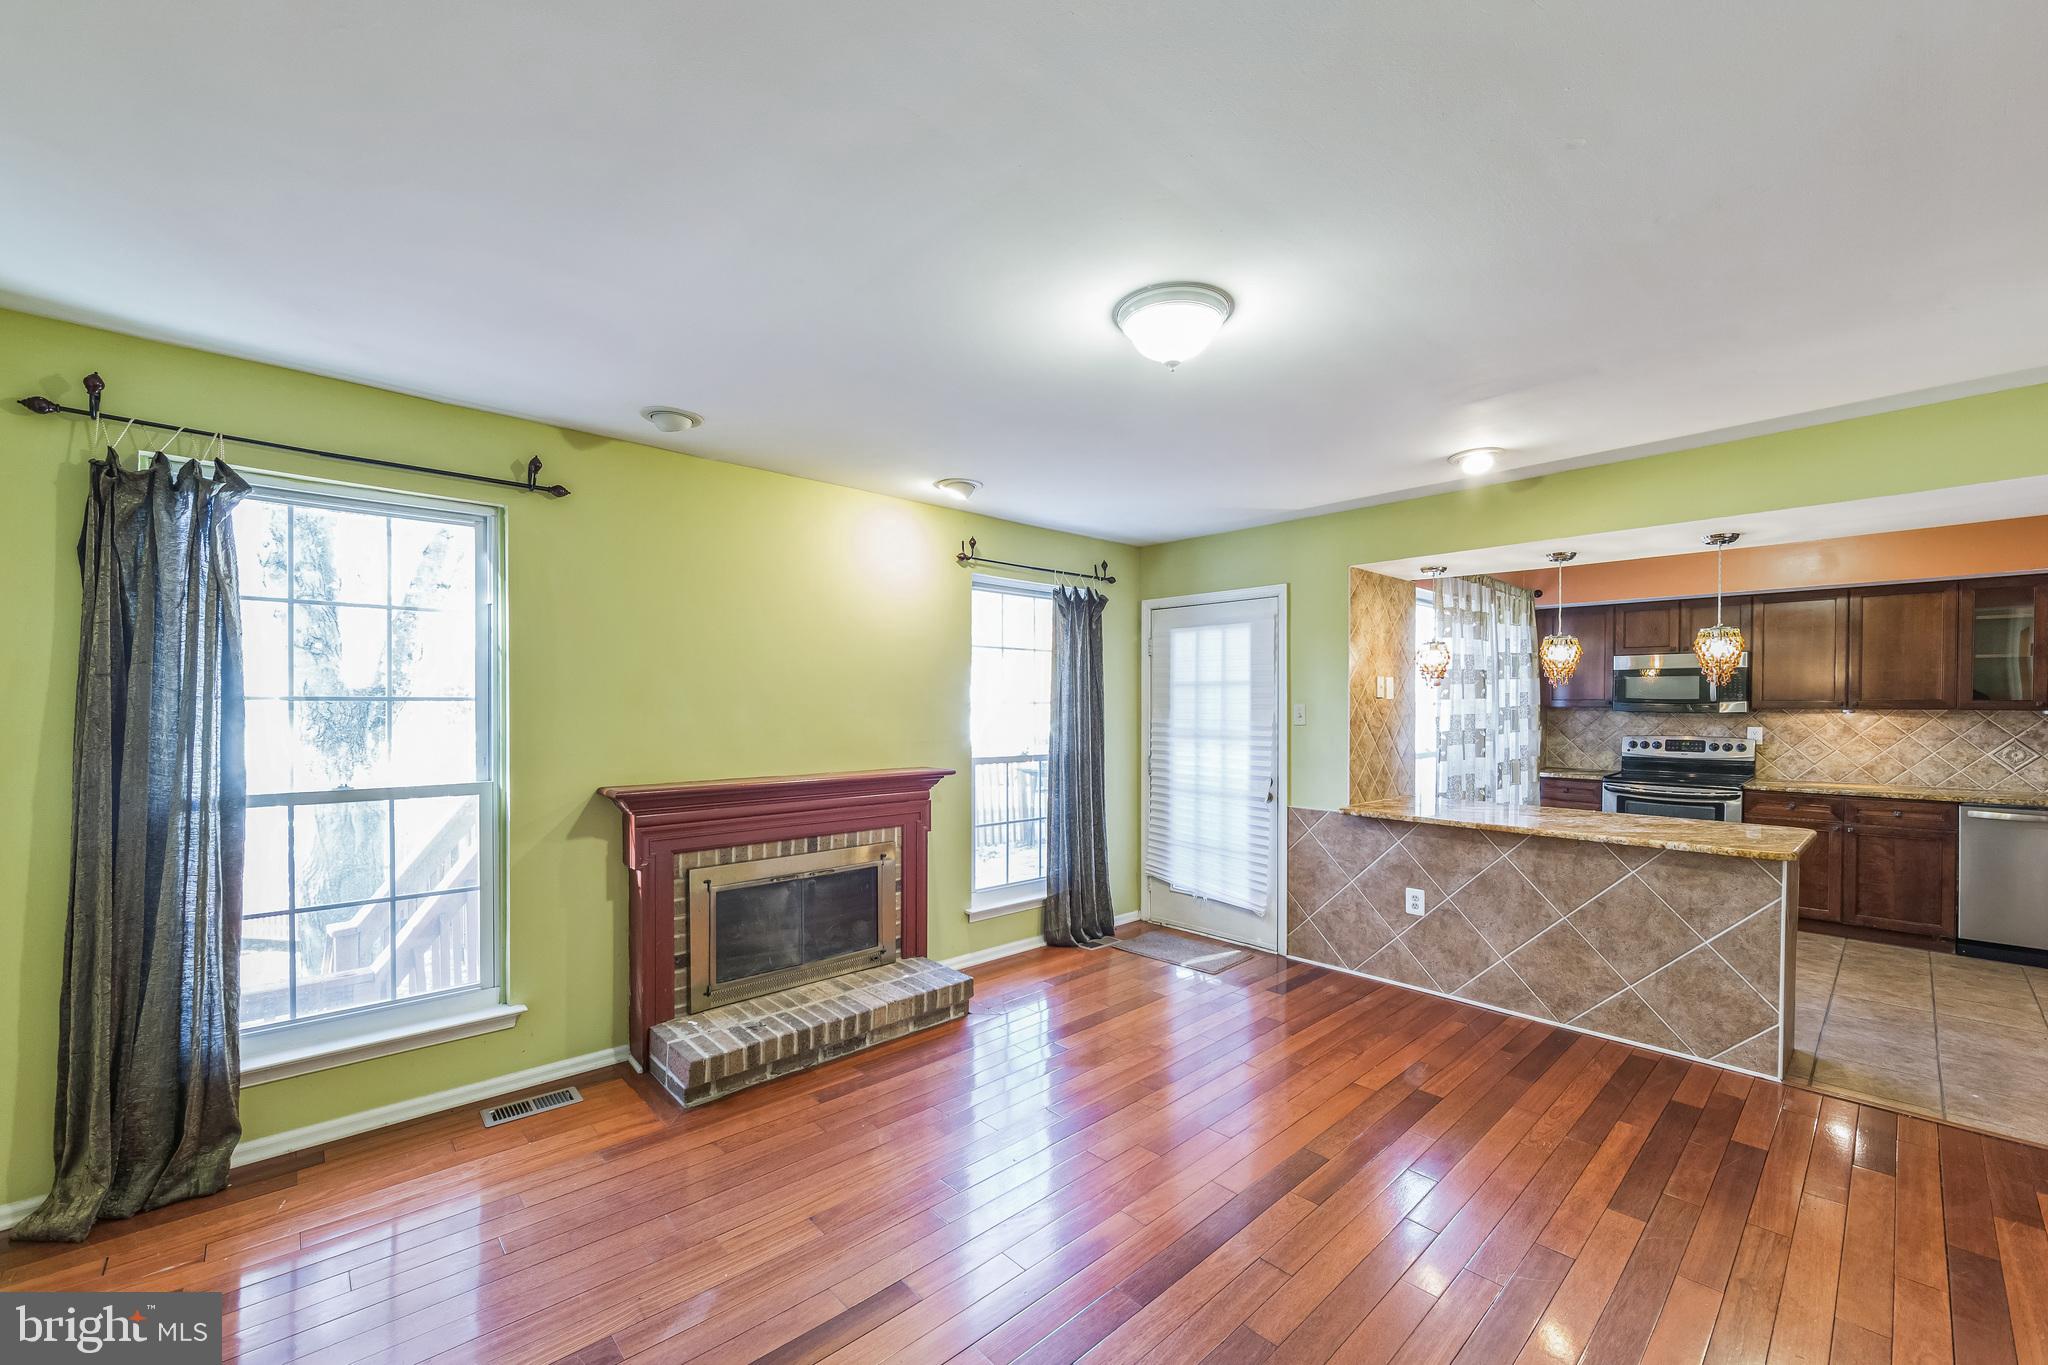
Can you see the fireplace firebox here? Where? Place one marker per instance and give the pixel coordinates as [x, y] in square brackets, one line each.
[766, 925]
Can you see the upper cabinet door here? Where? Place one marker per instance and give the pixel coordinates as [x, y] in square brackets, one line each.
[1593, 684]
[1648, 628]
[1798, 656]
[2000, 665]
[1902, 646]
[1698, 613]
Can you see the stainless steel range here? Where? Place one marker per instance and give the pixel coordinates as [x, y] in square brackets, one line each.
[1681, 776]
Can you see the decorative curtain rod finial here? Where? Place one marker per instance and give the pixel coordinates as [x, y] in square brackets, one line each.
[40, 405]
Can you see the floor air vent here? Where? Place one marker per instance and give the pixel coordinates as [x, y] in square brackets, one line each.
[531, 1105]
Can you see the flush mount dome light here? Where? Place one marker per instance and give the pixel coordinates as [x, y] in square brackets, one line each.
[671, 419]
[1170, 323]
[958, 489]
[1473, 463]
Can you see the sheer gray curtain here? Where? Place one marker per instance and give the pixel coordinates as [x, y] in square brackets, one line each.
[1078, 912]
[147, 1059]
[1487, 709]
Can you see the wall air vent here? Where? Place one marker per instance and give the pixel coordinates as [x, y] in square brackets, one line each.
[531, 1105]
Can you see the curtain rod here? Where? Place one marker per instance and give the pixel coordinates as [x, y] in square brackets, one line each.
[967, 559]
[95, 386]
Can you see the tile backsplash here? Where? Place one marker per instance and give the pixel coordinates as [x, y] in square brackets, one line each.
[2003, 751]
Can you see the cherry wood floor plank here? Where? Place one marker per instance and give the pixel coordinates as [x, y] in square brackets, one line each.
[1868, 1253]
[1624, 1328]
[1109, 1158]
[1684, 1325]
[1804, 1331]
[1980, 1315]
[1749, 1304]
[1570, 1316]
[1501, 1334]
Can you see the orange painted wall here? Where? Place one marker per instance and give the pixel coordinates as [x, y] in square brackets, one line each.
[1977, 550]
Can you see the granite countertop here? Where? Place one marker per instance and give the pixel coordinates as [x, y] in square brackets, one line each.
[1762, 843]
[1574, 774]
[1967, 796]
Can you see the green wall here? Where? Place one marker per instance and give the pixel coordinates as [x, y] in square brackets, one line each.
[675, 618]
[1970, 440]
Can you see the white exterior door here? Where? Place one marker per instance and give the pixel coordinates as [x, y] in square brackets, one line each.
[1214, 765]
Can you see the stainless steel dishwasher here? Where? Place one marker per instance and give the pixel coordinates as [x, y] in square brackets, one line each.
[2002, 878]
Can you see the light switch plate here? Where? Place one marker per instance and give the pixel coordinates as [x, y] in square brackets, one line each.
[1301, 713]
[1413, 902]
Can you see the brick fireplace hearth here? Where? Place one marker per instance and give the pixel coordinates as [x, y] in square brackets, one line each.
[778, 922]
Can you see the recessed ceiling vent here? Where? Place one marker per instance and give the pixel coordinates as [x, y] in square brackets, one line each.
[531, 1105]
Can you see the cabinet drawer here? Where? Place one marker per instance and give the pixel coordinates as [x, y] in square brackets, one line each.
[1765, 808]
[1938, 816]
[1572, 793]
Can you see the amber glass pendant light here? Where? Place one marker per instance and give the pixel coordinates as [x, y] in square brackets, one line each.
[1719, 647]
[1559, 653]
[1433, 657]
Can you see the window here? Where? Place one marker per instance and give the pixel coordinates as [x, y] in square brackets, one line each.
[371, 889]
[1010, 721]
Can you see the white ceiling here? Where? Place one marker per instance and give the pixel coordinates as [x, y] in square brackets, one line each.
[878, 243]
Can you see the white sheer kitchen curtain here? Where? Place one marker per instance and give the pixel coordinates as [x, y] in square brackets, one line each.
[1487, 723]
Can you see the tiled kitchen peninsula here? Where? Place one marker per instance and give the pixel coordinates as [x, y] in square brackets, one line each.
[1674, 935]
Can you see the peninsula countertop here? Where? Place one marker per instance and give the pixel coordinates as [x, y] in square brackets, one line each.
[1761, 843]
[1963, 796]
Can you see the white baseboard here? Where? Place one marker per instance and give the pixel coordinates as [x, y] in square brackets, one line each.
[1010, 949]
[251, 1150]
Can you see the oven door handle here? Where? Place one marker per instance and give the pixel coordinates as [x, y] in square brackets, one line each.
[1697, 793]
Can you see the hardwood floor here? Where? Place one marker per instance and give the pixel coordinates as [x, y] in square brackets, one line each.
[1116, 1159]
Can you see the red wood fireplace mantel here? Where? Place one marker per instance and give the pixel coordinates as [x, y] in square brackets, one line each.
[664, 820]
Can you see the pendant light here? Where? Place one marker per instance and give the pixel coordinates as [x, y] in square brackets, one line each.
[1433, 657]
[1559, 653]
[1719, 647]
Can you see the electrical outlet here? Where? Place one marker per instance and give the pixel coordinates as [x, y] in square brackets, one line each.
[1301, 713]
[1414, 900]
[1756, 734]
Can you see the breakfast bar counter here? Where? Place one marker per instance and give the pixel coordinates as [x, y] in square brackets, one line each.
[1669, 934]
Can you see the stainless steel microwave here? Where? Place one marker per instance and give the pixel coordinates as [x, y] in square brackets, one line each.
[1673, 682]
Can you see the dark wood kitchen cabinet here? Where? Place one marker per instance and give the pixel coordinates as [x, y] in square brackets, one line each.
[1877, 864]
[1799, 651]
[2001, 664]
[1899, 866]
[1820, 866]
[1569, 793]
[1669, 627]
[1593, 684]
[1647, 628]
[1696, 615]
[1902, 650]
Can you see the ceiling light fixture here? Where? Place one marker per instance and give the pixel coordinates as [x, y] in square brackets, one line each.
[1473, 463]
[1559, 652]
[1719, 647]
[671, 419]
[1433, 657]
[1170, 323]
[960, 490]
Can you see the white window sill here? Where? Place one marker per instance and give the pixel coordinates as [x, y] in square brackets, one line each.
[273, 1058]
[1005, 900]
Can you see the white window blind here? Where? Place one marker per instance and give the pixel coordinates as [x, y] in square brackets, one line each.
[1211, 804]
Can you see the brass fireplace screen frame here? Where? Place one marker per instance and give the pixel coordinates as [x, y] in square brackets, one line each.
[706, 884]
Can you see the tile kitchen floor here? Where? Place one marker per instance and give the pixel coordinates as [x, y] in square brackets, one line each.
[1950, 1037]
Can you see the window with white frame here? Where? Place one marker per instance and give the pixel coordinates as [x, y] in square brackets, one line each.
[1010, 724]
[371, 889]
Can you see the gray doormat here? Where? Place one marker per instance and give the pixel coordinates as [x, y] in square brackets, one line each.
[1197, 954]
